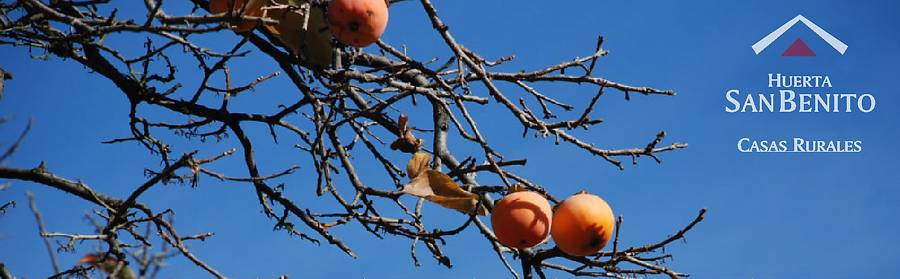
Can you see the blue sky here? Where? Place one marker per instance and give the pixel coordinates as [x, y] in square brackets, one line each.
[788, 215]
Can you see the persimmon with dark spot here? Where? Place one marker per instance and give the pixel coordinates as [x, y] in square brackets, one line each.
[582, 224]
[358, 23]
[522, 219]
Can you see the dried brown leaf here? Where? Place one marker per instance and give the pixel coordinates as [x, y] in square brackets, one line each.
[407, 142]
[465, 205]
[439, 188]
[312, 42]
[417, 165]
[442, 185]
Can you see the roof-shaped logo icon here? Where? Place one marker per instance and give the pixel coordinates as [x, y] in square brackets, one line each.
[799, 48]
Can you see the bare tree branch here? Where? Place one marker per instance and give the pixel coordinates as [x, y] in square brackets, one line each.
[43, 232]
[355, 98]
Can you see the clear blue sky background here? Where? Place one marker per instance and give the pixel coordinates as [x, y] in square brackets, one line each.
[771, 215]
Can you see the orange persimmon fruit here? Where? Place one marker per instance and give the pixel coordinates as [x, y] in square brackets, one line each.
[582, 224]
[248, 7]
[521, 219]
[358, 23]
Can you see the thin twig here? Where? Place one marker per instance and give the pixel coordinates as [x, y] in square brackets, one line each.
[42, 232]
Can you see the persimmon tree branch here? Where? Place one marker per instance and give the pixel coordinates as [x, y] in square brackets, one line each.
[341, 118]
[43, 232]
[110, 234]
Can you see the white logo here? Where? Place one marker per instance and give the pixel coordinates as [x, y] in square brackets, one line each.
[758, 47]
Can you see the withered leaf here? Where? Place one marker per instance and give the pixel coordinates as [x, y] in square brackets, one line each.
[465, 205]
[407, 142]
[439, 188]
[443, 185]
[302, 28]
[417, 165]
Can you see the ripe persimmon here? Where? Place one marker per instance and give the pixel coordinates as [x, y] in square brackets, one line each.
[582, 224]
[357, 22]
[521, 219]
[248, 7]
